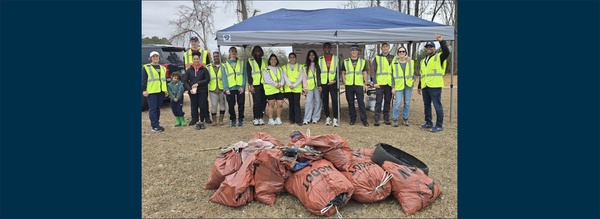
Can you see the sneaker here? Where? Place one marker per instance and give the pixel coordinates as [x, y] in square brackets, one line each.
[426, 126]
[240, 122]
[395, 124]
[387, 122]
[437, 129]
[278, 121]
[202, 126]
[377, 123]
[405, 121]
[207, 120]
[191, 123]
[328, 121]
[305, 123]
[158, 129]
[335, 123]
[255, 122]
[197, 126]
[299, 124]
[292, 122]
[233, 123]
[314, 122]
[351, 122]
[272, 122]
[261, 121]
[366, 124]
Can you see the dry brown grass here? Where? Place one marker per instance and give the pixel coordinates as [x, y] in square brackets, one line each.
[174, 169]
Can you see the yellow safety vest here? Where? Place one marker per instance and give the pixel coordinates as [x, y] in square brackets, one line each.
[311, 81]
[235, 77]
[354, 75]
[384, 71]
[157, 81]
[325, 74]
[257, 78]
[270, 89]
[401, 76]
[293, 75]
[188, 58]
[432, 74]
[215, 78]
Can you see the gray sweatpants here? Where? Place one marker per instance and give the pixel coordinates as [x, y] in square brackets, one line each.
[217, 98]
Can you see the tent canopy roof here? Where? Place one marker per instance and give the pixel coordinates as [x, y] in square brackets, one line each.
[285, 27]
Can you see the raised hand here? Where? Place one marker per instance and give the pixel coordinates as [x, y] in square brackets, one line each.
[439, 37]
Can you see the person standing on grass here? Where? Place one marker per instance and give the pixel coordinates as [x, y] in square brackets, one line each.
[295, 84]
[204, 60]
[215, 87]
[382, 81]
[154, 88]
[255, 68]
[402, 85]
[274, 88]
[234, 83]
[196, 81]
[354, 70]
[176, 90]
[329, 64]
[433, 69]
[313, 96]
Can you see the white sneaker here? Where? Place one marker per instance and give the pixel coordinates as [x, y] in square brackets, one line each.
[278, 121]
[335, 123]
[305, 123]
[255, 122]
[314, 122]
[272, 122]
[328, 121]
[261, 121]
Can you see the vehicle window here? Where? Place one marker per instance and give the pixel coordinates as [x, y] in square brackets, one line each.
[173, 56]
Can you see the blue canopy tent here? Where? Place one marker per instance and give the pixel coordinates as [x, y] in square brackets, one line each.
[285, 27]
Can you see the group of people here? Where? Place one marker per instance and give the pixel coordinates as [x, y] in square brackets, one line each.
[268, 82]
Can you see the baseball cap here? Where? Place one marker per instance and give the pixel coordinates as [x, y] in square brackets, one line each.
[194, 38]
[354, 47]
[153, 53]
[430, 43]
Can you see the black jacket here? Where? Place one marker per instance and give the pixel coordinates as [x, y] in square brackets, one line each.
[191, 77]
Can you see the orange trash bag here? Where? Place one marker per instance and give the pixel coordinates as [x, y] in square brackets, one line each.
[334, 148]
[269, 175]
[371, 182]
[236, 190]
[413, 189]
[225, 164]
[320, 187]
[363, 153]
[266, 137]
[298, 139]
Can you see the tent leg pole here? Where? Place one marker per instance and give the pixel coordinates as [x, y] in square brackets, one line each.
[452, 78]
[337, 51]
[244, 67]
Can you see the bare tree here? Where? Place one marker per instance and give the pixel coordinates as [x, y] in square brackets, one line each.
[243, 9]
[351, 4]
[196, 20]
[436, 8]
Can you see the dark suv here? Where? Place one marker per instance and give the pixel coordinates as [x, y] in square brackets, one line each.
[172, 59]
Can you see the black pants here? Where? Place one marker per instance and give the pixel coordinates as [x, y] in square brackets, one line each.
[360, 98]
[334, 92]
[240, 98]
[383, 93]
[206, 115]
[198, 100]
[295, 111]
[259, 99]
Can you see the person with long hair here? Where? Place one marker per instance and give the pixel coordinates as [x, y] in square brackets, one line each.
[313, 95]
[274, 88]
[295, 84]
[254, 70]
[196, 81]
[402, 85]
[234, 83]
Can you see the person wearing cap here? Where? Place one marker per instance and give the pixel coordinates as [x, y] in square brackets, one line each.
[254, 72]
[382, 81]
[196, 81]
[234, 83]
[154, 88]
[295, 85]
[204, 60]
[354, 70]
[215, 87]
[329, 65]
[433, 69]
[402, 84]
[313, 96]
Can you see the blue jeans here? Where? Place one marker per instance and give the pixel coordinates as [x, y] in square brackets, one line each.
[154, 103]
[433, 95]
[177, 107]
[405, 94]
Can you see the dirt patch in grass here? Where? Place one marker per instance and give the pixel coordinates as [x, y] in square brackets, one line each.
[174, 170]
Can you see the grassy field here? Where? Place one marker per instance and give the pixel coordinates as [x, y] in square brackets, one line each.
[174, 169]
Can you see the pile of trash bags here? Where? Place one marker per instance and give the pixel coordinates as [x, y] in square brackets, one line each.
[322, 171]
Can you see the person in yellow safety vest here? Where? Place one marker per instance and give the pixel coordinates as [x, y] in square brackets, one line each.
[354, 70]
[234, 83]
[273, 76]
[215, 88]
[154, 88]
[403, 77]
[204, 60]
[254, 69]
[313, 96]
[433, 69]
[328, 86]
[295, 84]
[382, 81]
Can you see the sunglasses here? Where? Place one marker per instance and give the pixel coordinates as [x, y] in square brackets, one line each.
[401, 51]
